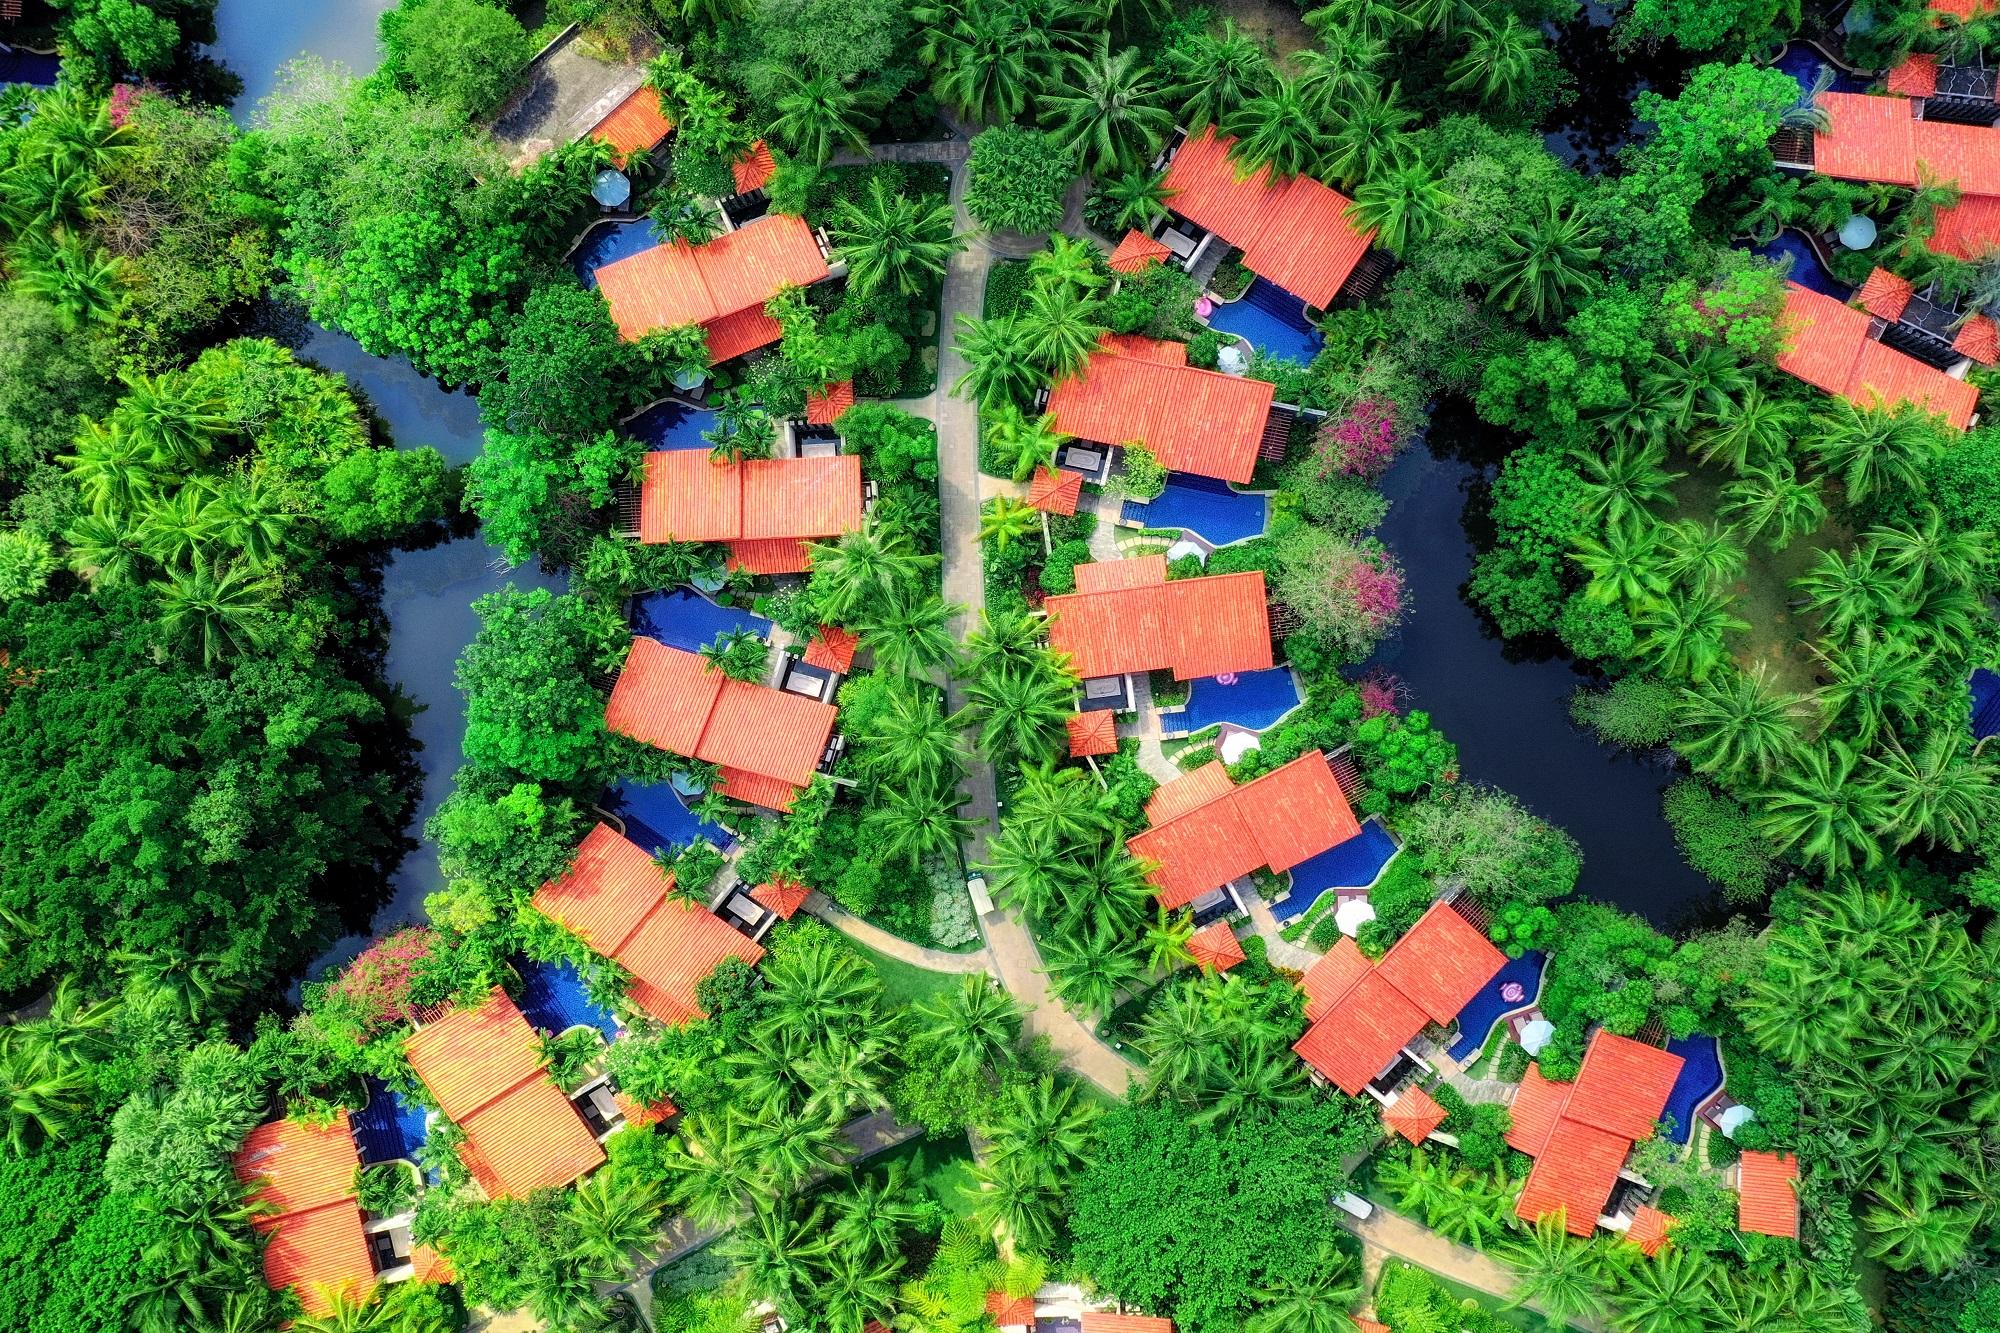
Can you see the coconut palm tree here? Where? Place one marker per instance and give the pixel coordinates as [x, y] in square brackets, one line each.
[909, 631]
[1547, 263]
[874, 1212]
[1667, 1295]
[817, 114]
[1931, 552]
[1851, 594]
[1342, 68]
[1046, 1127]
[1315, 1299]
[977, 1023]
[1737, 725]
[1806, 113]
[116, 469]
[1626, 480]
[1141, 197]
[893, 243]
[1706, 556]
[1031, 869]
[102, 551]
[1402, 204]
[855, 1286]
[1088, 972]
[1113, 895]
[1181, 1040]
[1167, 941]
[1874, 451]
[1022, 443]
[1869, 680]
[174, 414]
[350, 1308]
[742, 429]
[1107, 110]
[1059, 329]
[1626, 568]
[1912, 1227]
[911, 741]
[981, 59]
[1699, 383]
[1004, 520]
[998, 369]
[778, 1247]
[1069, 265]
[1823, 805]
[740, 654]
[791, 1149]
[1021, 711]
[1280, 129]
[42, 1093]
[1774, 499]
[1564, 1276]
[1684, 636]
[810, 985]
[175, 529]
[1213, 75]
[865, 568]
[918, 823]
[83, 283]
[715, 1171]
[1502, 63]
[846, 1076]
[614, 1213]
[1942, 793]
[1364, 135]
[1253, 1077]
[248, 518]
[1009, 639]
[223, 609]
[1747, 429]
[1376, 18]
[1013, 1200]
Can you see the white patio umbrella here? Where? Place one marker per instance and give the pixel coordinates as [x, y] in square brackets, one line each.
[1184, 547]
[1231, 361]
[1536, 1034]
[1351, 914]
[1235, 744]
[1734, 1118]
[611, 188]
[1858, 232]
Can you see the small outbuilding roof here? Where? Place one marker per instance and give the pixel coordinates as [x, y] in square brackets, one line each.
[1767, 1194]
[1055, 492]
[1649, 1229]
[1885, 294]
[753, 170]
[1979, 339]
[1916, 76]
[1414, 1114]
[1103, 1321]
[1092, 734]
[1011, 1312]
[636, 122]
[1135, 251]
[783, 896]
[1215, 947]
[825, 405]
[832, 649]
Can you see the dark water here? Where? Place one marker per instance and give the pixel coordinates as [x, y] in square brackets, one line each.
[1598, 121]
[1510, 715]
[258, 38]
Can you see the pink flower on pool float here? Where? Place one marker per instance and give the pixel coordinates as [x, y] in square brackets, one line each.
[1513, 992]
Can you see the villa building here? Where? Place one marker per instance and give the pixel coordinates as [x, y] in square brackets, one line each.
[1136, 390]
[1581, 1134]
[1105, 1321]
[721, 285]
[1767, 1194]
[1835, 347]
[486, 1073]
[635, 124]
[1364, 1014]
[766, 743]
[1206, 834]
[764, 510]
[1126, 617]
[618, 902]
[304, 1177]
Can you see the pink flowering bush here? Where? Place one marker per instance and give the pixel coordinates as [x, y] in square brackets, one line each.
[1349, 595]
[1362, 443]
[376, 986]
[1381, 694]
[123, 98]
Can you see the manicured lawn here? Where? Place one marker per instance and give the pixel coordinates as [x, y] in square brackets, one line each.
[941, 1167]
[905, 982]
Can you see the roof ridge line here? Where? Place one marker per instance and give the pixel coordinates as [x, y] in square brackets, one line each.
[272, 1219]
[539, 1071]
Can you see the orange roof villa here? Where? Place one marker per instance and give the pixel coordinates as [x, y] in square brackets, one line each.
[1883, 139]
[1126, 616]
[485, 1072]
[1580, 1134]
[764, 509]
[1364, 1014]
[721, 285]
[1206, 832]
[1134, 390]
[767, 743]
[1835, 347]
[635, 123]
[317, 1244]
[618, 902]
[1298, 233]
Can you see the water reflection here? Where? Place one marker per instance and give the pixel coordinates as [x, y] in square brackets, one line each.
[258, 38]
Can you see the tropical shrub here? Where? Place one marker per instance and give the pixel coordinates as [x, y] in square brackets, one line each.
[1487, 842]
[1720, 839]
[1017, 178]
[1636, 711]
[1403, 754]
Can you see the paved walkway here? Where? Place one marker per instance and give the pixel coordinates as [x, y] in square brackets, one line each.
[1281, 951]
[1386, 1233]
[881, 941]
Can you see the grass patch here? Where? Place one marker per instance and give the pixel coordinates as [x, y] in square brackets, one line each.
[942, 1168]
[905, 983]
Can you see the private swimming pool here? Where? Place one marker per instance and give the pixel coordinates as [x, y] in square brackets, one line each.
[1349, 865]
[1985, 703]
[683, 618]
[1701, 1075]
[657, 817]
[1201, 505]
[1476, 1020]
[1272, 320]
[1253, 699]
[608, 241]
[1802, 61]
[29, 67]
[388, 1128]
[554, 1000]
[672, 425]
[1806, 269]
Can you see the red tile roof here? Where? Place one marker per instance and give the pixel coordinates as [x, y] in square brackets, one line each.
[756, 789]
[1196, 787]
[1055, 492]
[1619, 1094]
[731, 336]
[1979, 339]
[763, 508]
[1100, 1321]
[1286, 816]
[1767, 1196]
[429, 1265]
[753, 170]
[1137, 250]
[676, 284]
[1194, 627]
[1111, 575]
[616, 900]
[1649, 1229]
[317, 1244]
[1885, 294]
[1215, 947]
[1160, 351]
[1192, 420]
[824, 406]
[1370, 1326]
[1092, 734]
[1414, 1114]
[783, 896]
[1880, 139]
[1333, 976]
[641, 1114]
[1538, 1104]
[673, 699]
[1426, 977]
[1298, 233]
[1962, 9]
[1867, 138]
[832, 649]
[770, 555]
[1005, 1312]
[1828, 346]
[1915, 77]
[484, 1070]
[636, 122]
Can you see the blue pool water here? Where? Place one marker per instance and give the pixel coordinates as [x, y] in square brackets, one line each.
[1701, 1075]
[608, 241]
[1802, 63]
[29, 67]
[553, 999]
[388, 1128]
[672, 425]
[1806, 270]
[1255, 700]
[657, 818]
[1348, 865]
[1476, 1020]
[683, 618]
[1201, 505]
[1272, 320]
[1985, 703]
